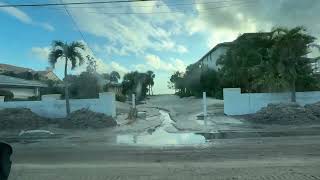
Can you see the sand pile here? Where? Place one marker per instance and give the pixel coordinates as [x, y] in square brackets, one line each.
[286, 114]
[25, 119]
[21, 118]
[84, 118]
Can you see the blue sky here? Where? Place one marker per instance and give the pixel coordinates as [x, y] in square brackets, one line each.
[163, 36]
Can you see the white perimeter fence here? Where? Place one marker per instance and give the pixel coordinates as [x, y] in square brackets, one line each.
[237, 103]
[51, 106]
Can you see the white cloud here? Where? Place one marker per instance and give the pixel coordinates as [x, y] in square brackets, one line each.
[132, 33]
[182, 49]
[140, 67]
[47, 26]
[18, 14]
[40, 52]
[225, 24]
[102, 67]
[24, 17]
[179, 65]
[119, 68]
[154, 62]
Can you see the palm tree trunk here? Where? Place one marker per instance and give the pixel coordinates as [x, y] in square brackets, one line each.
[66, 87]
[151, 90]
[293, 91]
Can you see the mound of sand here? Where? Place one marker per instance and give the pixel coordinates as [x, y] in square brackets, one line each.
[21, 118]
[25, 119]
[84, 118]
[286, 114]
[314, 108]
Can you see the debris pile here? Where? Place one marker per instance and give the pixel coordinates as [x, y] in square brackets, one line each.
[21, 118]
[286, 114]
[314, 108]
[25, 119]
[84, 118]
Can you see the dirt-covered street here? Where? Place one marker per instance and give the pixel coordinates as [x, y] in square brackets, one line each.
[255, 158]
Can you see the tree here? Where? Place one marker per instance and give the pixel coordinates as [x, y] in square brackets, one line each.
[290, 49]
[240, 65]
[210, 83]
[150, 80]
[135, 82]
[114, 76]
[91, 65]
[68, 53]
[84, 86]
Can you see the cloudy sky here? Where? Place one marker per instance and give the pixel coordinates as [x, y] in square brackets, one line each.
[163, 36]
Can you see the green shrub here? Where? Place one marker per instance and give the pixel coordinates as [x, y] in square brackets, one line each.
[121, 98]
[8, 95]
[34, 98]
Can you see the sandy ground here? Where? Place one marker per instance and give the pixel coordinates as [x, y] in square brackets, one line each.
[185, 111]
[94, 154]
[256, 158]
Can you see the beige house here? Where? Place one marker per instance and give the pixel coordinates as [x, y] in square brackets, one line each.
[21, 88]
[48, 75]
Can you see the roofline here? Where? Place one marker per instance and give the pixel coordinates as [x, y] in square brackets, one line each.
[21, 85]
[24, 83]
[224, 44]
[229, 43]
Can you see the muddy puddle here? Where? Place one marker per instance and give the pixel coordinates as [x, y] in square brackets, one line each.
[235, 135]
[160, 136]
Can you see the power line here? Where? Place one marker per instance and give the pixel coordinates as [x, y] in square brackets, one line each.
[72, 3]
[160, 5]
[168, 12]
[77, 27]
[240, 3]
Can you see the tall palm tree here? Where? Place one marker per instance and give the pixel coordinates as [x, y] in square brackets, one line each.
[150, 77]
[290, 48]
[114, 76]
[68, 53]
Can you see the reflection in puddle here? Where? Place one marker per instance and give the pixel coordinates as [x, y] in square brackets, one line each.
[161, 137]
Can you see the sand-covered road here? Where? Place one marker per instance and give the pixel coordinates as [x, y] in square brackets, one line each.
[255, 158]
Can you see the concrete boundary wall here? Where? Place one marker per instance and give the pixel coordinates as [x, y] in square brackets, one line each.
[237, 103]
[51, 106]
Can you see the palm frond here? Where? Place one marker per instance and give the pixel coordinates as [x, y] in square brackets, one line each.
[76, 58]
[77, 45]
[56, 44]
[54, 55]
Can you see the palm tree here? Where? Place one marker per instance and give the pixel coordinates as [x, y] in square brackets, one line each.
[114, 76]
[290, 48]
[150, 77]
[70, 53]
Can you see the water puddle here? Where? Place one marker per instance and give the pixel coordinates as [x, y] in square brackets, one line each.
[160, 136]
[235, 135]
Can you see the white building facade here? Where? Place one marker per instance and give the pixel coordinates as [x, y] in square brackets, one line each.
[209, 60]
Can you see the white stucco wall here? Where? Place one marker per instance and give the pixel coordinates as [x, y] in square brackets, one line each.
[52, 108]
[237, 103]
